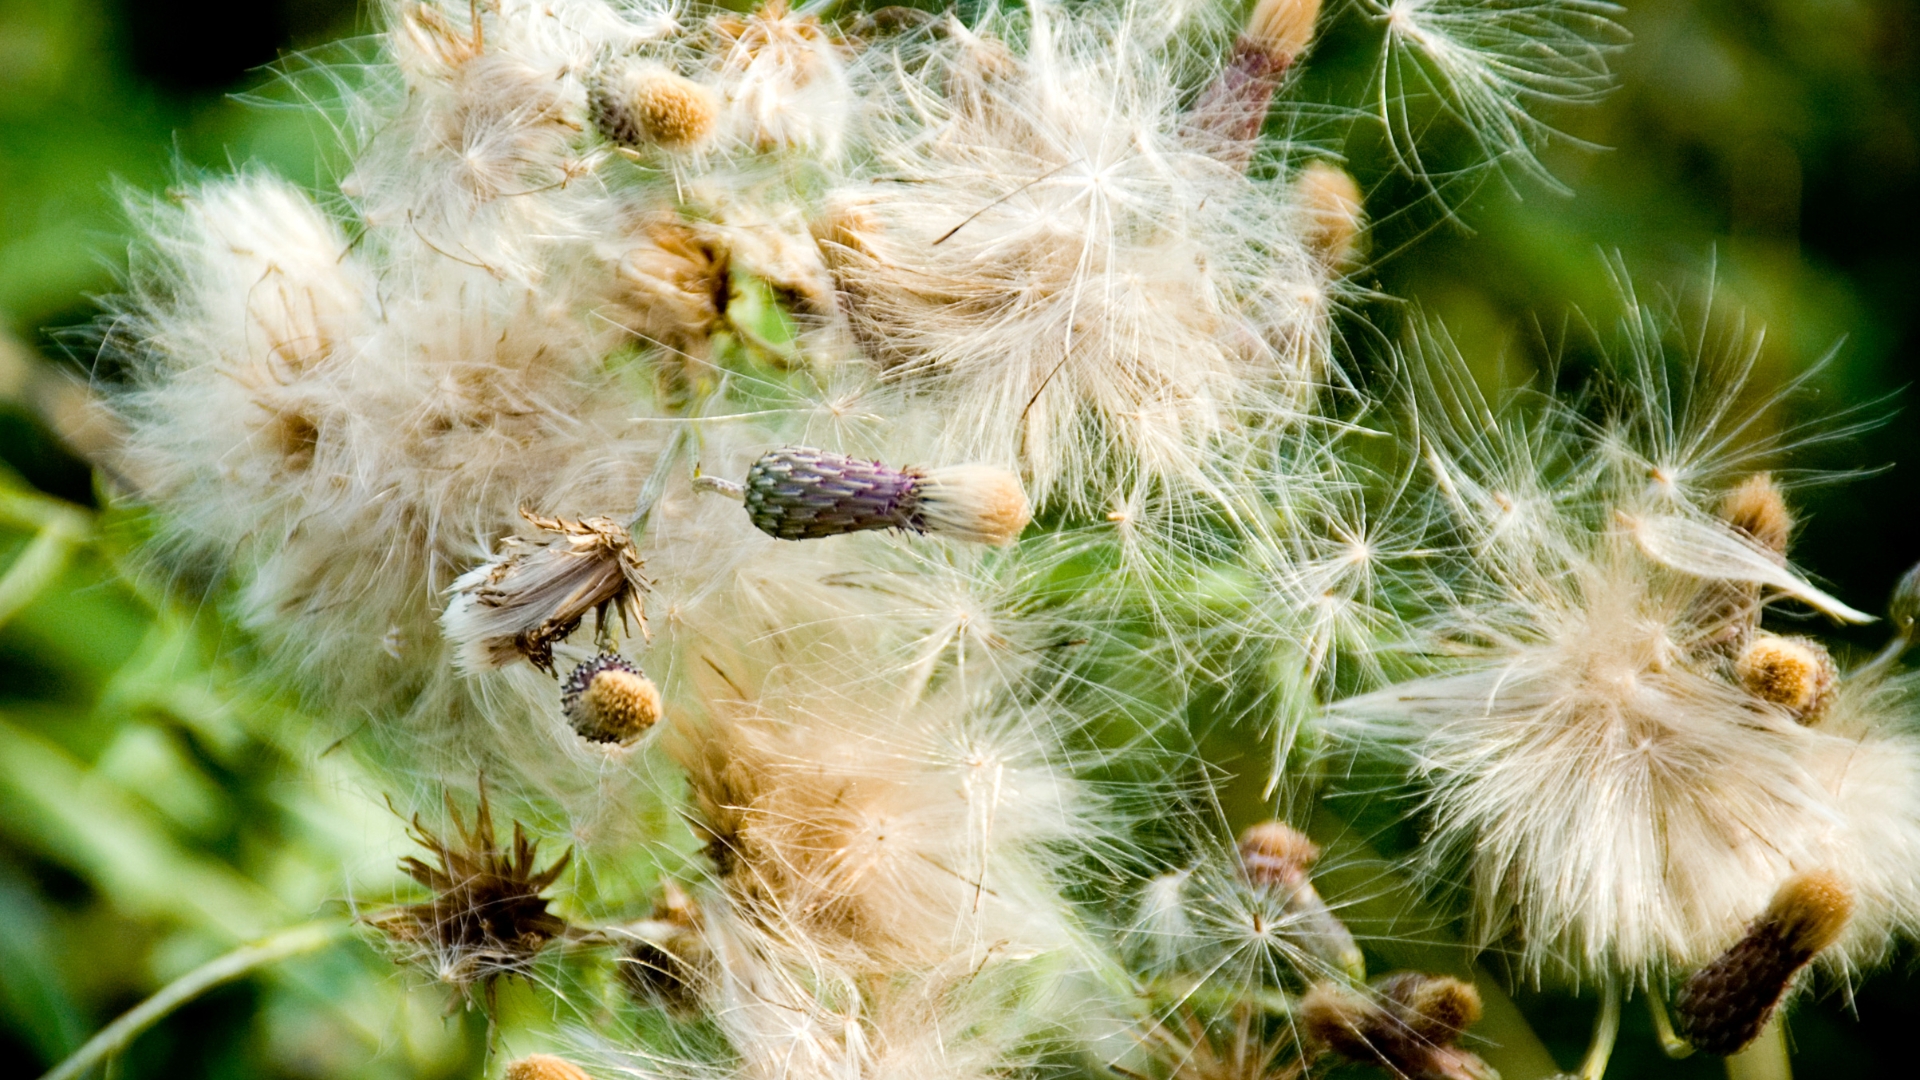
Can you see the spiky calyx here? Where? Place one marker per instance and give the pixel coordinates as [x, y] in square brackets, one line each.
[646, 104]
[1723, 1006]
[608, 700]
[1407, 1026]
[797, 493]
[544, 1067]
[1795, 673]
[486, 917]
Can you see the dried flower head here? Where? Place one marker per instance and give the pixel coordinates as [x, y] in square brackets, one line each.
[1275, 857]
[1795, 673]
[641, 104]
[487, 917]
[608, 700]
[1407, 1025]
[1723, 1006]
[544, 1067]
[785, 78]
[534, 592]
[670, 965]
[800, 494]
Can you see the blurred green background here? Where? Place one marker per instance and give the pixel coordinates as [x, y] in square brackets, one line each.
[158, 807]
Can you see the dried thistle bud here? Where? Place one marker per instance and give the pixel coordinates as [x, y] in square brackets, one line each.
[1723, 1006]
[638, 104]
[801, 494]
[1282, 28]
[1230, 112]
[1795, 673]
[1759, 509]
[1330, 203]
[1903, 611]
[668, 967]
[1275, 857]
[608, 700]
[544, 1067]
[1392, 1029]
[487, 917]
[535, 592]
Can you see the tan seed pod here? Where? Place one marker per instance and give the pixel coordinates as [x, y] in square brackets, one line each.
[608, 700]
[1330, 205]
[544, 1067]
[640, 104]
[1759, 509]
[1282, 28]
[1275, 853]
[1723, 1006]
[1388, 1029]
[1795, 673]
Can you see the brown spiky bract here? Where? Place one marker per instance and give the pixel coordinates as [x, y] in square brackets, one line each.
[1407, 1027]
[486, 917]
[544, 1067]
[1795, 673]
[1723, 1006]
[535, 592]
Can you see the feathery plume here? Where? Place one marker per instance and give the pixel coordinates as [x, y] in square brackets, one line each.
[533, 593]
[1721, 1007]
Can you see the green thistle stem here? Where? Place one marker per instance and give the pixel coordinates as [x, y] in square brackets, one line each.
[115, 1037]
[1765, 1058]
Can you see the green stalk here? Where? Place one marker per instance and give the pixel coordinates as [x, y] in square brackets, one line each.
[1765, 1058]
[116, 1036]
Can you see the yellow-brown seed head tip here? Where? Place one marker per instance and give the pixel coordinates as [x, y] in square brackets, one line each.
[1811, 910]
[652, 105]
[1758, 508]
[624, 705]
[976, 502]
[1283, 27]
[544, 1067]
[1331, 205]
[1440, 1007]
[1273, 851]
[1795, 673]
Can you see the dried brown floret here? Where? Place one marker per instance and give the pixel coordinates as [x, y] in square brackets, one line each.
[1407, 1025]
[535, 592]
[487, 917]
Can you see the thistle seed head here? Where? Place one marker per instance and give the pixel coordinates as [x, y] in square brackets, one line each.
[1723, 1006]
[1759, 509]
[1282, 28]
[640, 104]
[608, 700]
[534, 592]
[669, 967]
[1330, 202]
[800, 494]
[1392, 1030]
[487, 917]
[544, 1067]
[1276, 855]
[1795, 673]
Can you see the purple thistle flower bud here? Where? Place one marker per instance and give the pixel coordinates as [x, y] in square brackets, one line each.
[800, 494]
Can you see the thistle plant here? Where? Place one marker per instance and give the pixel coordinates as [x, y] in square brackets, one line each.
[761, 459]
